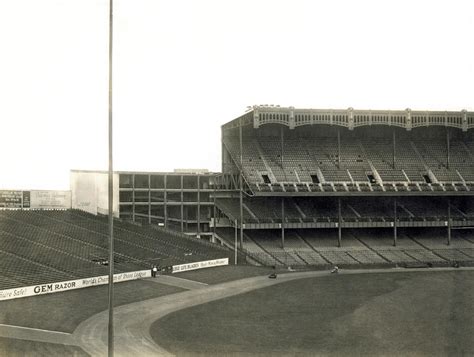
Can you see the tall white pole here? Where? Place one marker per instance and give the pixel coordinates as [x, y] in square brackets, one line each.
[111, 206]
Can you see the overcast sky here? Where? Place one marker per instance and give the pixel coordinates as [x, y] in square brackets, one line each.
[184, 68]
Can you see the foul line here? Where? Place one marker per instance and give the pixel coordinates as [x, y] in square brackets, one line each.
[36, 334]
[13, 327]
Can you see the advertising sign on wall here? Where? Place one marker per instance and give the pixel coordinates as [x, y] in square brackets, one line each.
[200, 265]
[50, 288]
[35, 199]
[10, 199]
[50, 199]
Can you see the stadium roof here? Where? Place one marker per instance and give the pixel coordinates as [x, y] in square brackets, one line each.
[176, 172]
[351, 118]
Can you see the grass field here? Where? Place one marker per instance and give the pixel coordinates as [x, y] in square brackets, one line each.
[64, 311]
[420, 313]
[411, 313]
[224, 273]
[10, 347]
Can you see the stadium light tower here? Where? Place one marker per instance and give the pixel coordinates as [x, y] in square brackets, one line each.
[110, 198]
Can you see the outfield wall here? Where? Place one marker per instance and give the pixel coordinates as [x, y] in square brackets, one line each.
[51, 288]
[200, 265]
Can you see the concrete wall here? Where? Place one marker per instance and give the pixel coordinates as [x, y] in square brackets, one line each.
[89, 192]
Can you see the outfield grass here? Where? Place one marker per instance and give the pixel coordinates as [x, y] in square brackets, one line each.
[12, 347]
[223, 274]
[419, 313]
[65, 311]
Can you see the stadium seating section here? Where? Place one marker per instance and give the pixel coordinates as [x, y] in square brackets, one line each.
[360, 209]
[305, 164]
[319, 247]
[283, 167]
[51, 246]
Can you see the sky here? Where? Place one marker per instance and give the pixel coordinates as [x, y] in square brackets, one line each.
[182, 68]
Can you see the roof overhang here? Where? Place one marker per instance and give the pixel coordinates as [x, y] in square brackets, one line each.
[351, 118]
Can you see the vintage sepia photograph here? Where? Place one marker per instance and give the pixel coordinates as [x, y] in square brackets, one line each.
[236, 178]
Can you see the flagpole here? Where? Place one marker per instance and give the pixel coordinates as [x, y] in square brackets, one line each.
[111, 187]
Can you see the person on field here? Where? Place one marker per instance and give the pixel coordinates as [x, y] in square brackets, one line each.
[335, 270]
[153, 271]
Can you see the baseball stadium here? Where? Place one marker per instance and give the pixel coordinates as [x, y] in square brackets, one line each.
[327, 232]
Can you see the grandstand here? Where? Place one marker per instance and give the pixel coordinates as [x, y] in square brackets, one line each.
[298, 187]
[348, 186]
[38, 246]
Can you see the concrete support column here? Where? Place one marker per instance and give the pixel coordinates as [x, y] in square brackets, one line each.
[339, 223]
[448, 148]
[338, 148]
[395, 222]
[394, 158]
[186, 211]
[282, 147]
[449, 222]
[282, 222]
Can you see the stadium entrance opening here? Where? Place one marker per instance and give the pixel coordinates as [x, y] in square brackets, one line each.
[371, 178]
[315, 178]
